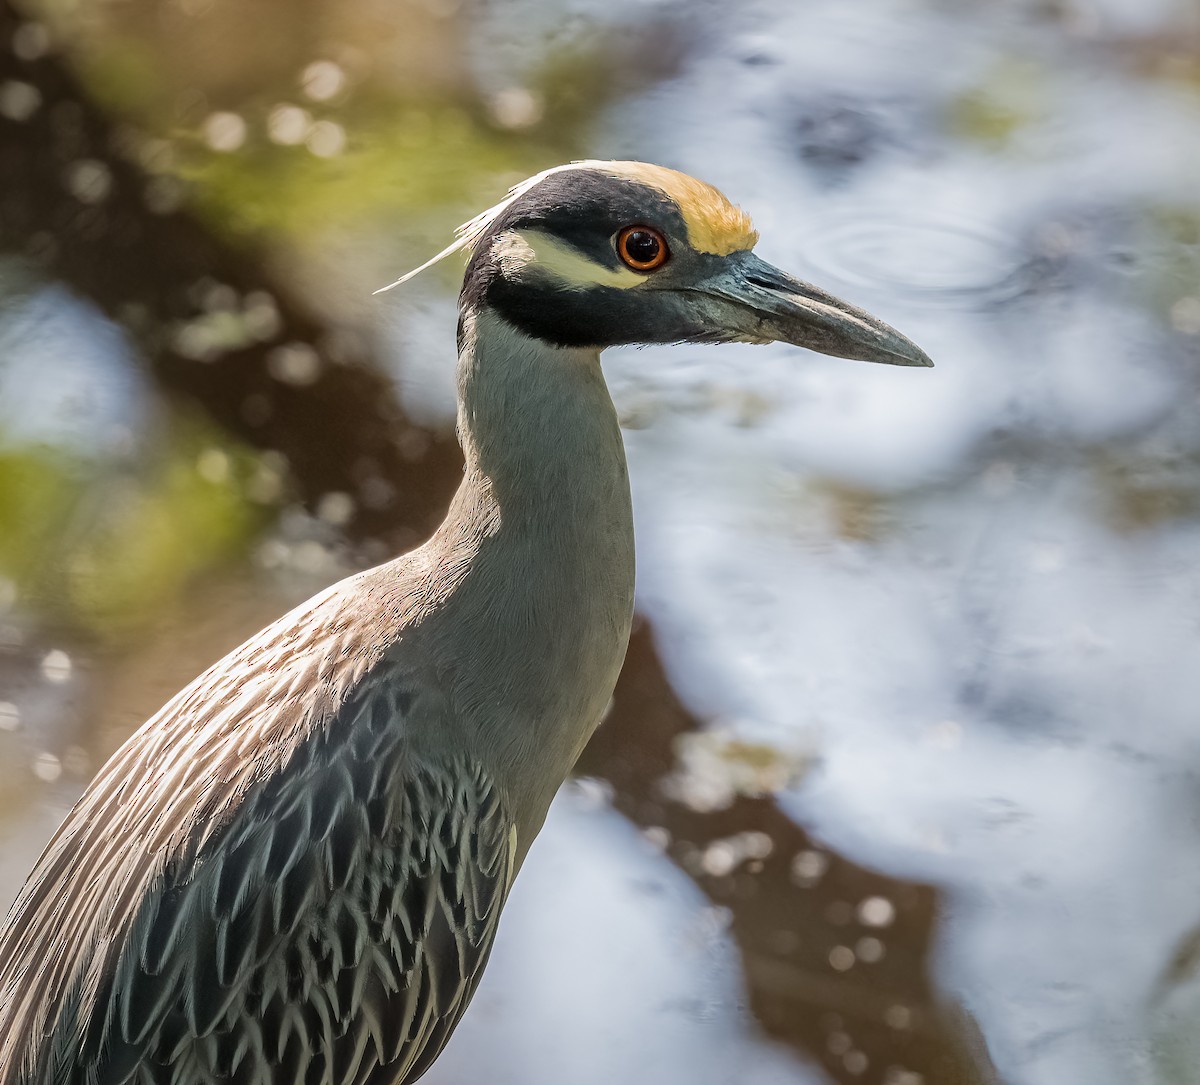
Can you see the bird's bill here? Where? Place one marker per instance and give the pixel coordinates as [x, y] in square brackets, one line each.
[758, 302]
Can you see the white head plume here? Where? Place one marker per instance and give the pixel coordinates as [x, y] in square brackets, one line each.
[470, 232]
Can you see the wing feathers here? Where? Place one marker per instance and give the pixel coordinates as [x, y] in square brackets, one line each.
[332, 932]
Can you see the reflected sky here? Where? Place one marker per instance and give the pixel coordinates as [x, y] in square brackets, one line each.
[604, 937]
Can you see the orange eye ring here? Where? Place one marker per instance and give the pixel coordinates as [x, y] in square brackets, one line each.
[642, 248]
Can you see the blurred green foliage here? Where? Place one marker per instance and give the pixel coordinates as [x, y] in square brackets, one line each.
[106, 548]
[39, 487]
[412, 162]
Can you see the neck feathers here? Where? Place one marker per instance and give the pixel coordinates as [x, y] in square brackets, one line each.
[544, 511]
[524, 403]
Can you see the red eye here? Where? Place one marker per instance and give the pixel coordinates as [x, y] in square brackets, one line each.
[642, 248]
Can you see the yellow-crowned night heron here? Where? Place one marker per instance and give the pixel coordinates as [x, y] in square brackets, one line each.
[294, 871]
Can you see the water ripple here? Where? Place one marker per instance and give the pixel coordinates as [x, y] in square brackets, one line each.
[921, 259]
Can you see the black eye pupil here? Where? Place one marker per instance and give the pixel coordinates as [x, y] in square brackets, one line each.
[642, 246]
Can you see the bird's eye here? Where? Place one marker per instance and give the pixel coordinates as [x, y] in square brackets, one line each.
[642, 248]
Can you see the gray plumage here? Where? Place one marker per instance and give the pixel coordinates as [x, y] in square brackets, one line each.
[294, 871]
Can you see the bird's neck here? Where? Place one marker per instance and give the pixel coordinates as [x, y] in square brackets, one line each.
[542, 526]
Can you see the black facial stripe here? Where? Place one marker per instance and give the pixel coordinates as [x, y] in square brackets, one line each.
[586, 240]
[597, 316]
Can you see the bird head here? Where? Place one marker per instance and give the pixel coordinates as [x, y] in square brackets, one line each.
[596, 254]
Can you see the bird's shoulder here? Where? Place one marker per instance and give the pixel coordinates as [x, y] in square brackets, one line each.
[265, 763]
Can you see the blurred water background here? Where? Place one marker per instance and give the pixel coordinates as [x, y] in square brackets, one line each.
[902, 782]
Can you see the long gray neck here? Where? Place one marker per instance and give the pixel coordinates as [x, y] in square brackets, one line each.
[542, 530]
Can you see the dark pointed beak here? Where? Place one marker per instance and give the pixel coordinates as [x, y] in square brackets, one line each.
[760, 303]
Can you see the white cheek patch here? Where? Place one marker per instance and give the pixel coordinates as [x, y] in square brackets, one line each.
[525, 251]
